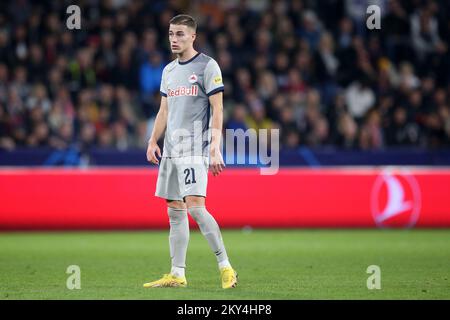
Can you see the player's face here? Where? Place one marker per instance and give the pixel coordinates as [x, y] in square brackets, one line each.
[181, 38]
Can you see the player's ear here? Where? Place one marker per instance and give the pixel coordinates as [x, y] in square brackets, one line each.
[194, 36]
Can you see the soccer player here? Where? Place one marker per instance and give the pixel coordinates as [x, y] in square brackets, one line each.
[190, 86]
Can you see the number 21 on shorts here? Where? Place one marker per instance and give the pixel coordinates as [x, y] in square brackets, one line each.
[188, 173]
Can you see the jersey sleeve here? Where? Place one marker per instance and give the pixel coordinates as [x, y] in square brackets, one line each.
[163, 87]
[213, 82]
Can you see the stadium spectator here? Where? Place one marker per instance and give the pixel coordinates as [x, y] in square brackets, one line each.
[238, 118]
[314, 71]
[150, 74]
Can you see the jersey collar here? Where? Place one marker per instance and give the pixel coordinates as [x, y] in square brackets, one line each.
[190, 60]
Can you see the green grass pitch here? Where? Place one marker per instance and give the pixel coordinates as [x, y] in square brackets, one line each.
[272, 264]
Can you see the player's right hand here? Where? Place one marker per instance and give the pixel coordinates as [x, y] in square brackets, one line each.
[152, 151]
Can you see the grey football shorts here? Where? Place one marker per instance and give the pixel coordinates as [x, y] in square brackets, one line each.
[182, 176]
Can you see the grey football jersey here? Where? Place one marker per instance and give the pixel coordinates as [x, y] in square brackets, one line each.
[188, 86]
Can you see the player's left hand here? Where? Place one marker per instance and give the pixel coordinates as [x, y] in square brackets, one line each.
[216, 164]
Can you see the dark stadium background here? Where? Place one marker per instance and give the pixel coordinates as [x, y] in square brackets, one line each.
[310, 68]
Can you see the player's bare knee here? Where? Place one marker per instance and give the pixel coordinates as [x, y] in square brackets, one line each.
[194, 201]
[175, 204]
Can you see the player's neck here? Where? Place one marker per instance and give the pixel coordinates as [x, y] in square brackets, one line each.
[187, 55]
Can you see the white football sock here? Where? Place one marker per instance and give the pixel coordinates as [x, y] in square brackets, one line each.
[211, 231]
[224, 263]
[178, 238]
[177, 272]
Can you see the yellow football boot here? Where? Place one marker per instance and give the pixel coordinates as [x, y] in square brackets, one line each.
[229, 277]
[168, 280]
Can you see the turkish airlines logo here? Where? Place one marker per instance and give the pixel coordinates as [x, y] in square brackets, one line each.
[395, 200]
[183, 91]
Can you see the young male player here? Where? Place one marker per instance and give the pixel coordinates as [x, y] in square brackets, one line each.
[190, 86]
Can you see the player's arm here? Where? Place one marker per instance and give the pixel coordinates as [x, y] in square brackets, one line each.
[216, 160]
[158, 129]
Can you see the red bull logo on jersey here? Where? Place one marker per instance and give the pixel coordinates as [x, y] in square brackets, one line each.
[183, 91]
[193, 78]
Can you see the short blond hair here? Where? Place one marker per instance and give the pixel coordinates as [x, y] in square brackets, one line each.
[185, 20]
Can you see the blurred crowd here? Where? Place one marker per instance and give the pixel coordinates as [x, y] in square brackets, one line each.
[309, 68]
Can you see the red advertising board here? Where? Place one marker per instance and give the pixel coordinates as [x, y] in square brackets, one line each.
[309, 198]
